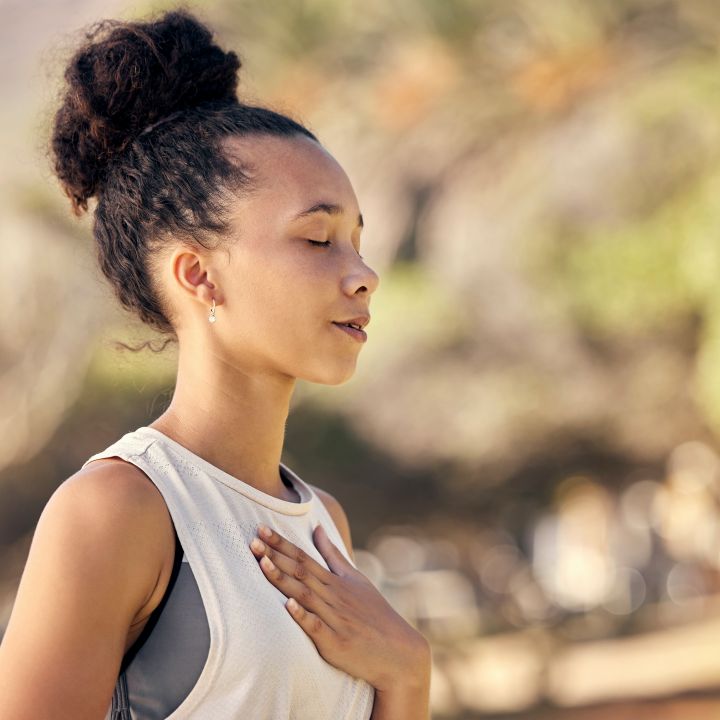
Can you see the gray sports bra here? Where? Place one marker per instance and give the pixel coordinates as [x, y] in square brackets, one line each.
[161, 667]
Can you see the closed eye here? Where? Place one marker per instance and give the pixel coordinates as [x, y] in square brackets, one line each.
[325, 243]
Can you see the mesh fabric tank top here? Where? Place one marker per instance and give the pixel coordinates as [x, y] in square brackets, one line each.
[224, 635]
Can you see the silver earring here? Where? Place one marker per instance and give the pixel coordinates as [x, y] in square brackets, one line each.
[212, 317]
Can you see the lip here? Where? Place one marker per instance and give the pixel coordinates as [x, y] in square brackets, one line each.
[361, 320]
[358, 335]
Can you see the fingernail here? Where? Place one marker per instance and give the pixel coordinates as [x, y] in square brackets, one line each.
[264, 531]
[257, 545]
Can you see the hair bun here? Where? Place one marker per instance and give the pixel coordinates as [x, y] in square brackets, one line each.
[126, 77]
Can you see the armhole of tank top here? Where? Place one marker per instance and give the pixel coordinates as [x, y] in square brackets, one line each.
[155, 614]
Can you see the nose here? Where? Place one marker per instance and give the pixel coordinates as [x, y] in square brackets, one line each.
[360, 275]
[367, 276]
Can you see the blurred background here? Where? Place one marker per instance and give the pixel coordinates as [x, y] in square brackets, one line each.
[529, 450]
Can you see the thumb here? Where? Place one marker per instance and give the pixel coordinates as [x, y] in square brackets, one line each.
[336, 561]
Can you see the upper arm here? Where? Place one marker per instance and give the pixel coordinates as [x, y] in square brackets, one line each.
[94, 561]
[337, 513]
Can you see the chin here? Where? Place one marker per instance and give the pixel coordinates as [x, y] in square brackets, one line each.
[326, 376]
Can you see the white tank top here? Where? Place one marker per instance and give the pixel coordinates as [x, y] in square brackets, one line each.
[261, 664]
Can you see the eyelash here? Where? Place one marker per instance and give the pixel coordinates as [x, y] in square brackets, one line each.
[326, 243]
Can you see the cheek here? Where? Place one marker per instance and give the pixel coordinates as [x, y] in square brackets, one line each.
[285, 300]
[282, 303]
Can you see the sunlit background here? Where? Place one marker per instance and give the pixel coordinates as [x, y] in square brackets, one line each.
[529, 450]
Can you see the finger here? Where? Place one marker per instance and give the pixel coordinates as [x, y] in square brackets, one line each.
[318, 631]
[291, 587]
[293, 575]
[337, 562]
[277, 542]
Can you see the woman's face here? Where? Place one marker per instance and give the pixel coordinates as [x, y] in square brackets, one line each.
[278, 294]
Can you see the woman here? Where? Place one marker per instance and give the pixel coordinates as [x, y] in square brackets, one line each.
[230, 228]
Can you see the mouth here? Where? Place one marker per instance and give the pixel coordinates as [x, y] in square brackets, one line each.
[354, 331]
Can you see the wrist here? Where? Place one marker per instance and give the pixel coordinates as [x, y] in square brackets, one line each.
[407, 699]
[411, 676]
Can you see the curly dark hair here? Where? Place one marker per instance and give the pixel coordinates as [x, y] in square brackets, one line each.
[145, 108]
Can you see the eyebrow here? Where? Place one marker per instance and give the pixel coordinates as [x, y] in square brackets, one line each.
[329, 208]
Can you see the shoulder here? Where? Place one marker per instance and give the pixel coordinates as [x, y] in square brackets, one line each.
[115, 490]
[94, 564]
[112, 503]
[110, 479]
[337, 513]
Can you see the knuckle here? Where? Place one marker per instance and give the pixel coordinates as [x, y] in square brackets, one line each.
[315, 624]
[300, 555]
[300, 571]
[306, 595]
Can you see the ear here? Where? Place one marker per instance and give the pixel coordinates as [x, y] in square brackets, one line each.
[191, 271]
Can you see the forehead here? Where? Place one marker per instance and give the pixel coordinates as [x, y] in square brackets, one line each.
[290, 173]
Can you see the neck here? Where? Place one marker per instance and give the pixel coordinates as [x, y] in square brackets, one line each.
[233, 419]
